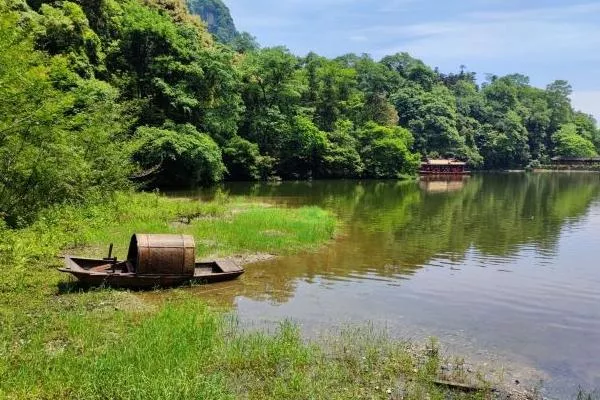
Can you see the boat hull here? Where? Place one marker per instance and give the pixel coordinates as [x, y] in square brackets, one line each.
[97, 273]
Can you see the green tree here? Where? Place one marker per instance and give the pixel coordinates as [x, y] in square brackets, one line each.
[65, 29]
[504, 144]
[570, 144]
[55, 145]
[336, 86]
[270, 80]
[385, 151]
[174, 74]
[340, 156]
[501, 95]
[182, 156]
[244, 43]
[587, 127]
[536, 117]
[303, 149]
[470, 108]
[558, 94]
[432, 117]
[243, 160]
[412, 69]
[377, 83]
[271, 91]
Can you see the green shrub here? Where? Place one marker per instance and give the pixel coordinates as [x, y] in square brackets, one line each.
[570, 144]
[385, 151]
[61, 136]
[182, 155]
[242, 159]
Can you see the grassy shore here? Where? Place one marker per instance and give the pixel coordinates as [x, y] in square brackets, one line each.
[112, 344]
[185, 350]
[221, 227]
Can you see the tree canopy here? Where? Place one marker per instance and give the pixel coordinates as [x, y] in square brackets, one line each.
[93, 92]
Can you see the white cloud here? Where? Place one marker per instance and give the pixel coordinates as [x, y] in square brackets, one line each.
[497, 40]
[549, 32]
[359, 38]
[391, 6]
[540, 13]
[587, 101]
[489, 36]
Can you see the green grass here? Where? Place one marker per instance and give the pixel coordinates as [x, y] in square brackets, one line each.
[221, 227]
[237, 224]
[105, 344]
[37, 322]
[186, 350]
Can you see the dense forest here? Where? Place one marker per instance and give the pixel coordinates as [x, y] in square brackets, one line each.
[97, 94]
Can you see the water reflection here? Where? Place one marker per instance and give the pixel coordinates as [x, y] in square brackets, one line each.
[392, 229]
[437, 184]
[509, 259]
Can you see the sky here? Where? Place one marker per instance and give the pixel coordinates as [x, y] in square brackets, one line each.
[543, 39]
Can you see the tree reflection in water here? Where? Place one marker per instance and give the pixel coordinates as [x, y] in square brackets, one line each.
[392, 229]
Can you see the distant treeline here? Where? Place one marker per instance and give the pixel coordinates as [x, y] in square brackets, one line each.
[94, 92]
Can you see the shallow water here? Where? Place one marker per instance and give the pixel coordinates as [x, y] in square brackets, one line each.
[503, 264]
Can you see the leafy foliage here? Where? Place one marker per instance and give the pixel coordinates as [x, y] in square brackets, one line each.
[64, 29]
[184, 156]
[341, 158]
[244, 161]
[60, 135]
[570, 144]
[385, 151]
[84, 84]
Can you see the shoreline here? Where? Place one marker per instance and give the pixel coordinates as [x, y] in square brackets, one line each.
[106, 334]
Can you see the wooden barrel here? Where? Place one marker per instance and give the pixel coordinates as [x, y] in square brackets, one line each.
[162, 254]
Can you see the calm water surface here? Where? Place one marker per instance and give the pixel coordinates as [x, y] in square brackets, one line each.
[503, 264]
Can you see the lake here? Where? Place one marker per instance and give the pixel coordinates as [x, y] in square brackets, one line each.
[497, 266]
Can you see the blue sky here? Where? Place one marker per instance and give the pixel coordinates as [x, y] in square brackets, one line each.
[546, 40]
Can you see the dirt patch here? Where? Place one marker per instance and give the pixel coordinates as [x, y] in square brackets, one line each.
[245, 259]
[186, 221]
[56, 347]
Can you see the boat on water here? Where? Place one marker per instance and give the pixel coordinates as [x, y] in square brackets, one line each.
[152, 261]
[94, 272]
[444, 167]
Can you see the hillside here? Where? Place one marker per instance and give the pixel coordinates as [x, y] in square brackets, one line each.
[217, 17]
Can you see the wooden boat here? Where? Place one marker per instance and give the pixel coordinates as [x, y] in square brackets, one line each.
[152, 261]
[101, 272]
[444, 167]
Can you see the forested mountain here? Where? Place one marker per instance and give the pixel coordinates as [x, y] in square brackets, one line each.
[219, 22]
[95, 91]
[217, 18]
